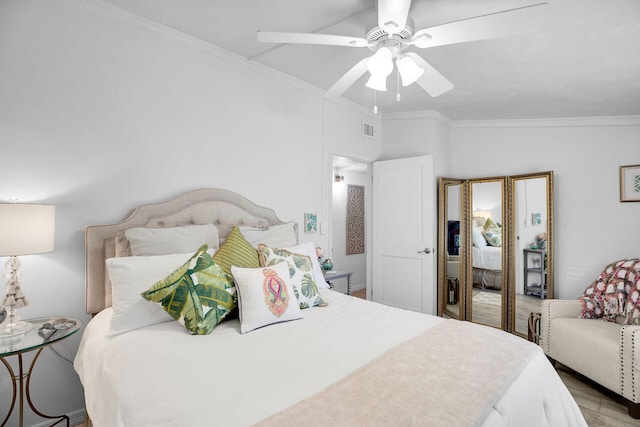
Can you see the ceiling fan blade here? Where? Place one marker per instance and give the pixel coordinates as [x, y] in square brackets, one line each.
[392, 15]
[500, 24]
[431, 81]
[349, 78]
[311, 38]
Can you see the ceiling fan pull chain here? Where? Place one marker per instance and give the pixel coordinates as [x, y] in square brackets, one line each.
[397, 81]
[375, 101]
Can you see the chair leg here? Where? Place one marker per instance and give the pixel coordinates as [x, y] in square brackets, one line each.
[634, 409]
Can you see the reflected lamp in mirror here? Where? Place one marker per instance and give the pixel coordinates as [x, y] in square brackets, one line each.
[25, 229]
[483, 214]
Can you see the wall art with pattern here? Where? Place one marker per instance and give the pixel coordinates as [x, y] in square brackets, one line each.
[355, 219]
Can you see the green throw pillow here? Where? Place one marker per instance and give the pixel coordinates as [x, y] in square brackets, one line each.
[236, 251]
[199, 294]
[305, 287]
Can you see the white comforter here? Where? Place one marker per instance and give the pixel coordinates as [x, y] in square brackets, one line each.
[162, 376]
[487, 257]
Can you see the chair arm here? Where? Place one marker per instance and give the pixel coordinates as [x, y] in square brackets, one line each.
[554, 308]
[629, 357]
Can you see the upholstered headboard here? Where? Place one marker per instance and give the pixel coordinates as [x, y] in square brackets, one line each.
[223, 208]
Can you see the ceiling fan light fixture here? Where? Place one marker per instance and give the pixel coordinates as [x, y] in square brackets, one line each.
[377, 82]
[381, 62]
[409, 70]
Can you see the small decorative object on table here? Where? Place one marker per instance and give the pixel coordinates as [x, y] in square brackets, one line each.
[327, 264]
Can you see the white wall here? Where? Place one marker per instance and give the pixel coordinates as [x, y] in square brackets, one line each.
[99, 114]
[592, 228]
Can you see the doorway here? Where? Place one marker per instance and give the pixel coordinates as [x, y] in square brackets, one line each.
[349, 200]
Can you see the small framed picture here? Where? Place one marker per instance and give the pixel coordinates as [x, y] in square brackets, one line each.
[630, 183]
[536, 218]
[310, 223]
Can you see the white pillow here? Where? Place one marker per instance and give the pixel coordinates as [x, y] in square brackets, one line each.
[172, 240]
[265, 296]
[478, 239]
[130, 276]
[309, 249]
[276, 236]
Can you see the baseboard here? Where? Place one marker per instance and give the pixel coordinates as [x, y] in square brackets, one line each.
[75, 418]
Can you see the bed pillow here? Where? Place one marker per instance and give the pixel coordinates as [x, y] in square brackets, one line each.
[129, 277]
[300, 271]
[309, 249]
[478, 239]
[198, 294]
[236, 251]
[265, 296]
[276, 236]
[493, 236]
[172, 240]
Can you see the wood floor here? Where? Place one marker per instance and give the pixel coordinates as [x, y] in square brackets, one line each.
[600, 407]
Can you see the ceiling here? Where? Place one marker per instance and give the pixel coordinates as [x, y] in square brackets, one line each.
[585, 62]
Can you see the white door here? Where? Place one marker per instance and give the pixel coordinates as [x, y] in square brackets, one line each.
[402, 238]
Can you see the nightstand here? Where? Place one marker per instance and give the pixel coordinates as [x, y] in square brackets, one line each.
[32, 341]
[332, 275]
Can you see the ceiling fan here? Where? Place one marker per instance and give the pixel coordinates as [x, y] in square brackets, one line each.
[394, 34]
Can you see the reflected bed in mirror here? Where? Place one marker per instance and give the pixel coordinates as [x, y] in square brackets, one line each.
[487, 274]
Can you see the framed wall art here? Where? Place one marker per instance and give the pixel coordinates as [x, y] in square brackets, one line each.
[630, 183]
[310, 223]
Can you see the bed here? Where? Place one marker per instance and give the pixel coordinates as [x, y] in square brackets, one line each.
[346, 361]
[486, 257]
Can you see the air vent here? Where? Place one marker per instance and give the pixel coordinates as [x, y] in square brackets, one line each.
[367, 130]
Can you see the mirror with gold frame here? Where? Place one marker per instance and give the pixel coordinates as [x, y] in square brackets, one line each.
[531, 247]
[487, 271]
[451, 243]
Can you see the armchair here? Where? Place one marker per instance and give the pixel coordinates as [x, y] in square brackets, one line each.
[606, 352]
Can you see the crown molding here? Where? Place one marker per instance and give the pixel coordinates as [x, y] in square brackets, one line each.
[427, 114]
[599, 121]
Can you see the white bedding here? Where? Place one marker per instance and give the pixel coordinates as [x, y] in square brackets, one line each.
[487, 257]
[162, 376]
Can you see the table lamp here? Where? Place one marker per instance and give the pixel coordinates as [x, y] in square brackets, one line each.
[25, 229]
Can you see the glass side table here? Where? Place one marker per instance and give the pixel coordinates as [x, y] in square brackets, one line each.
[42, 335]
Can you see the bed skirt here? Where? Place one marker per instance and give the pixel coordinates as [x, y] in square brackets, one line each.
[487, 279]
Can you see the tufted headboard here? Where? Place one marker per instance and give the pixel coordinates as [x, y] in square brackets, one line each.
[223, 208]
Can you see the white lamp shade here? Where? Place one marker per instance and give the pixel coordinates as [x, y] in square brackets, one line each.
[381, 63]
[26, 229]
[409, 71]
[377, 82]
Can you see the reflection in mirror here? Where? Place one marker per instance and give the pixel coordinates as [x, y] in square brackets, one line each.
[532, 254]
[487, 275]
[450, 256]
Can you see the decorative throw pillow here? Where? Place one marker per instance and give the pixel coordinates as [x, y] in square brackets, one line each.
[236, 251]
[616, 292]
[265, 296]
[493, 236]
[130, 276]
[300, 271]
[171, 240]
[198, 294]
[309, 249]
[489, 224]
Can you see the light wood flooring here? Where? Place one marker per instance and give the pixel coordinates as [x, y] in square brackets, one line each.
[600, 407]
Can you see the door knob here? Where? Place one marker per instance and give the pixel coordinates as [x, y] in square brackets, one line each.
[425, 250]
